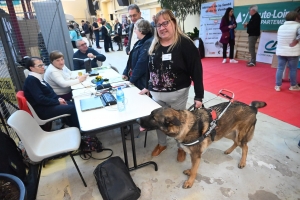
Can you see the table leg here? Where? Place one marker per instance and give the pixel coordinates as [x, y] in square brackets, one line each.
[124, 146]
[135, 166]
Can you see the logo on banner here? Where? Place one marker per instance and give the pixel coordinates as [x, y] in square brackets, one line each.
[270, 47]
[212, 8]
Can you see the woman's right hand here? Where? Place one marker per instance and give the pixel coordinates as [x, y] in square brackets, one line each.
[82, 78]
[125, 78]
[144, 91]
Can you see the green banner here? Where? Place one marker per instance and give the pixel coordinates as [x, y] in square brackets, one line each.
[272, 14]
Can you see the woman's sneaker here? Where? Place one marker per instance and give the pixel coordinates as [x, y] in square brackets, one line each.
[277, 88]
[294, 88]
[233, 61]
[224, 61]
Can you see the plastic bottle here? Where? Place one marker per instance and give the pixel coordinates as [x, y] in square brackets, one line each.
[120, 99]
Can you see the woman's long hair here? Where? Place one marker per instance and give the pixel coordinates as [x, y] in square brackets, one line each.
[226, 15]
[167, 15]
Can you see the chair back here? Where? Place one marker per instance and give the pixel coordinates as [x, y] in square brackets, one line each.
[28, 131]
[35, 116]
[22, 102]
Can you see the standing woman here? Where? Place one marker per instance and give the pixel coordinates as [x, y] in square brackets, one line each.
[74, 35]
[173, 64]
[136, 70]
[227, 26]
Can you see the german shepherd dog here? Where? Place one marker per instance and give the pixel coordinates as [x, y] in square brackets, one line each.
[237, 123]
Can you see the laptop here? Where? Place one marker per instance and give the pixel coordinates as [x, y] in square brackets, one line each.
[91, 103]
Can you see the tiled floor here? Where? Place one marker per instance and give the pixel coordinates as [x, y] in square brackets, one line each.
[272, 171]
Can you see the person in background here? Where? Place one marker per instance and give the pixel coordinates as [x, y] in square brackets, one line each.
[173, 64]
[85, 52]
[253, 30]
[118, 34]
[106, 36]
[109, 29]
[287, 54]
[134, 14]
[74, 35]
[41, 96]
[86, 30]
[96, 30]
[136, 70]
[59, 77]
[91, 31]
[227, 26]
[153, 21]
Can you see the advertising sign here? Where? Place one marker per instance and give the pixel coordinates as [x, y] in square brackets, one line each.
[211, 15]
[267, 47]
[272, 14]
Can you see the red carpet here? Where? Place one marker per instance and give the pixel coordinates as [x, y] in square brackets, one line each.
[253, 83]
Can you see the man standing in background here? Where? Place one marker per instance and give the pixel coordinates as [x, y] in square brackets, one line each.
[134, 14]
[253, 30]
[96, 29]
[86, 30]
[118, 34]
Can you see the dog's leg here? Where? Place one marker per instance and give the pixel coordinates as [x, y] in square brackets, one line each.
[192, 172]
[244, 147]
[228, 151]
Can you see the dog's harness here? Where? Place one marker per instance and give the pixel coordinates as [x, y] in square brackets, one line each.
[213, 122]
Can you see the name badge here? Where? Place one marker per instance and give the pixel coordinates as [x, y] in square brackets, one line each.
[166, 57]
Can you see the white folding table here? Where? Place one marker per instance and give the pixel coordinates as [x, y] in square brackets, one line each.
[137, 106]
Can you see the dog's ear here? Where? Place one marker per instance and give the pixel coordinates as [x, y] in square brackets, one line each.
[173, 120]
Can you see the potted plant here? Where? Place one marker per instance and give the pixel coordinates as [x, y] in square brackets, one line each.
[99, 80]
[11, 187]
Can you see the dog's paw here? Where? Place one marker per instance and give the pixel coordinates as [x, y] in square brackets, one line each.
[187, 184]
[187, 172]
[242, 165]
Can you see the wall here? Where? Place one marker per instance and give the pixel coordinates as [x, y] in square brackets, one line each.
[76, 8]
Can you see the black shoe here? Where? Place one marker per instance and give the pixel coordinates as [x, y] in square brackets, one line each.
[107, 51]
[250, 64]
[119, 50]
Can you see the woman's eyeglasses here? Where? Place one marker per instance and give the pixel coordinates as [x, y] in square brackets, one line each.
[164, 24]
[40, 65]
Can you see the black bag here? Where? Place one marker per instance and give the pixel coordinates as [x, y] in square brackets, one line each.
[89, 144]
[114, 180]
[11, 160]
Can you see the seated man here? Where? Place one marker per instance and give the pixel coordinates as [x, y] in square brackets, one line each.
[85, 52]
[41, 96]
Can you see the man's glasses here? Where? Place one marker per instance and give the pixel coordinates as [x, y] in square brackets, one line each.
[84, 44]
[40, 65]
[134, 16]
[164, 24]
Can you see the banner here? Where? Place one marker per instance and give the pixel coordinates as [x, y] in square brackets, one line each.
[267, 47]
[272, 14]
[210, 19]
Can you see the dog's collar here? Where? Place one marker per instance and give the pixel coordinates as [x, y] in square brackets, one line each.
[211, 129]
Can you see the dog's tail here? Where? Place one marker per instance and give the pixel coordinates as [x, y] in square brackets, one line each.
[258, 104]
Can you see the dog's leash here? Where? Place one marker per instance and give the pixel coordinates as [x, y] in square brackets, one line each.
[213, 124]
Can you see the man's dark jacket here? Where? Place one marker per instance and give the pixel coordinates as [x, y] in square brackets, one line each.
[253, 27]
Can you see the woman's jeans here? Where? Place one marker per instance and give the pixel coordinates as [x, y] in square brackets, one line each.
[292, 62]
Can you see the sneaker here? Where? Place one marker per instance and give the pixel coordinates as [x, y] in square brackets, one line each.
[277, 88]
[233, 61]
[294, 88]
[224, 61]
[250, 64]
